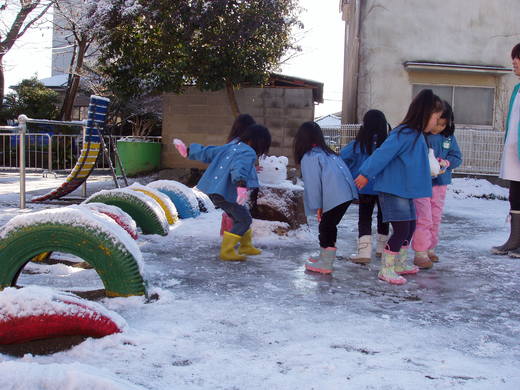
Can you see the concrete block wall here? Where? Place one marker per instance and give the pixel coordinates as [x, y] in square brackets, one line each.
[205, 117]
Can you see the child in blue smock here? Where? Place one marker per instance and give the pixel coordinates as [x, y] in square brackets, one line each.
[240, 124]
[371, 135]
[429, 210]
[225, 181]
[401, 172]
[328, 190]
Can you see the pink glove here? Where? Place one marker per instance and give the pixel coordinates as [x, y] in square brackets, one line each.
[241, 195]
[181, 147]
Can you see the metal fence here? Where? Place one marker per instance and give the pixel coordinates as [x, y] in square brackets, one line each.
[57, 152]
[481, 149]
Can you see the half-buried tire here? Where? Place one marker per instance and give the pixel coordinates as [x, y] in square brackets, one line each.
[182, 197]
[170, 211]
[99, 241]
[145, 211]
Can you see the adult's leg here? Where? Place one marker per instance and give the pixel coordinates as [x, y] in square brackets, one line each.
[514, 195]
[328, 230]
[513, 242]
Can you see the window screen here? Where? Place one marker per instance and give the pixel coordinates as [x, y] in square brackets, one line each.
[471, 105]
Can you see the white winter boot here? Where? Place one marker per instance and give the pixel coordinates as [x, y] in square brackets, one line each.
[382, 239]
[364, 251]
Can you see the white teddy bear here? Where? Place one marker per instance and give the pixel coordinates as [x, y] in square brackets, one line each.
[274, 169]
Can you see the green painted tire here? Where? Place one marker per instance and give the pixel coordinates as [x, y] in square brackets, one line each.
[115, 265]
[146, 212]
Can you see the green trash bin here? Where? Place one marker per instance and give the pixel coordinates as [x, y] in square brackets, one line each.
[138, 157]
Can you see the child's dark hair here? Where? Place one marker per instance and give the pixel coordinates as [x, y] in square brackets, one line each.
[241, 123]
[450, 120]
[373, 131]
[515, 53]
[258, 137]
[421, 109]
[308, 136]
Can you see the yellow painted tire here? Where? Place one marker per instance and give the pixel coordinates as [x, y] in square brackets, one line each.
[171, 217]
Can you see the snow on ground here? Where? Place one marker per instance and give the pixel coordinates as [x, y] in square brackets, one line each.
[267, 324]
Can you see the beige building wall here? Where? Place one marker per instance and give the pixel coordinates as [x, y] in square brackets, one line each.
[205, 117]
[475, 32]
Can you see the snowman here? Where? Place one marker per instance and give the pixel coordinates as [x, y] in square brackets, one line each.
[273, 169]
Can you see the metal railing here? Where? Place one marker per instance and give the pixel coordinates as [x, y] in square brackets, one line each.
[481, 149]
[56, 152]
[21, 150]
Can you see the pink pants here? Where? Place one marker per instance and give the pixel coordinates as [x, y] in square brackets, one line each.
[429, 214]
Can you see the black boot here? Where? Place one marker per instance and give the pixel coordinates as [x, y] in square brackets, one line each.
[513, 242]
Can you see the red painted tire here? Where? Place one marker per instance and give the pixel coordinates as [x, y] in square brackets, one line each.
[60, 315]
[119, 216]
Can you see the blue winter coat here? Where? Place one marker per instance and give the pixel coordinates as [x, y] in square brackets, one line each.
[252, 182]
[447, 149]
[228, 164]
[354, 158]
[327, 181]
[400, 165]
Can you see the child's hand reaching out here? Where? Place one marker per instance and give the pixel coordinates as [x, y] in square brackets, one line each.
[181, 147]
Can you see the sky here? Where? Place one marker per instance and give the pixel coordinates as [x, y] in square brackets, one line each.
[321, 58]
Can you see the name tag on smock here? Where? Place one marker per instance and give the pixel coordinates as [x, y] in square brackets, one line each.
[446, 144]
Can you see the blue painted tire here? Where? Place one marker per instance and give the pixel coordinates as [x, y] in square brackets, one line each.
[182, 196]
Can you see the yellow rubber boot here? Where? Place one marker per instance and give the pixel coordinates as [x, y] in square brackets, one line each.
[227, 249]
[246, 245]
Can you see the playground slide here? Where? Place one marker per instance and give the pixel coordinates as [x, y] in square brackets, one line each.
[97, 113]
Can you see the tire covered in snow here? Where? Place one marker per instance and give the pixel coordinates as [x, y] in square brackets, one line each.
[205, 203]
[116, 214]
[164, 201]
[34, 313]
[182, 196]
[145, 211]
[100, 242]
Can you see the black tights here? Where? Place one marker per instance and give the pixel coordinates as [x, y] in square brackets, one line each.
[366, 208]
[401, 236]
[514, 195]
[328, 228]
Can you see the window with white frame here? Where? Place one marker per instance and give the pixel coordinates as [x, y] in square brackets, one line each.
[473, 106]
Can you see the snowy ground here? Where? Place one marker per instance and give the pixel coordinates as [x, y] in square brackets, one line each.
[267, 324]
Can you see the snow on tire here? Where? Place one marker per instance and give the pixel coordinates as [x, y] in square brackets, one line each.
[144, 210]
[34, 313]
[119, 216]
[113, 254]
[182, 196]
[164, 201]
[205, 203]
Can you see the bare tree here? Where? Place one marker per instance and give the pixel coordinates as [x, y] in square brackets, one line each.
[26, 14]
[72, 17]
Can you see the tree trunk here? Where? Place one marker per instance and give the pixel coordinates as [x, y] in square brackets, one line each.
[232, 98]
[2, 80]
[73, 87]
